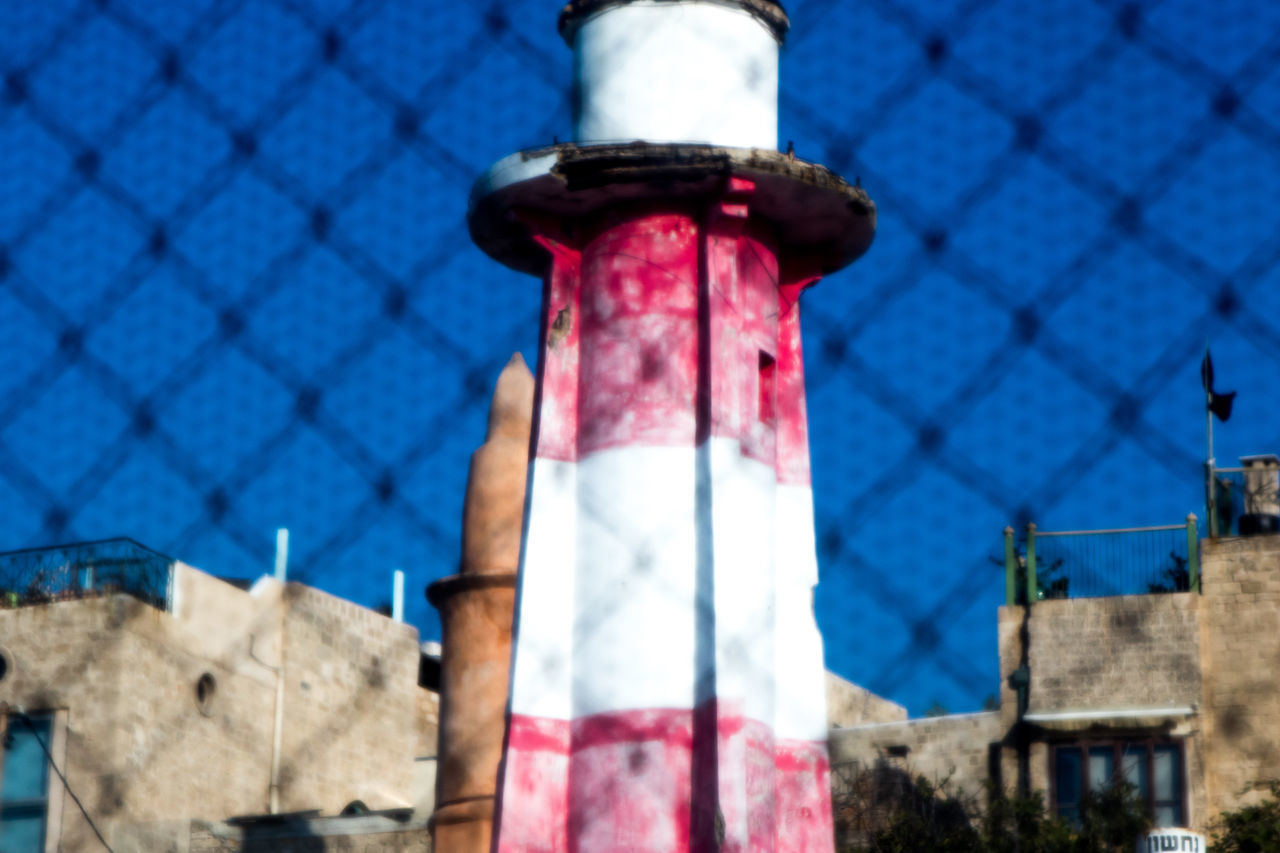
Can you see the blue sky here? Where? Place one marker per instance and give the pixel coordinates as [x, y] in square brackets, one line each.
[237, 291]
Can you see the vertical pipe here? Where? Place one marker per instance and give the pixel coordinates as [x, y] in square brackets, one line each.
[1193, 554]
[397, 595]
[1210, 492]
[4, 732]
[1031, 563]
[277, 733]
[1010, 569]
[273, 783]
[282, 553]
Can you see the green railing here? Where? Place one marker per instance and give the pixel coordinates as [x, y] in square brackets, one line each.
[1097, 563]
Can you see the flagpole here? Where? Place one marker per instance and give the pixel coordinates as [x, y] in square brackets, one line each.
[1219, 405]
[1210, 493]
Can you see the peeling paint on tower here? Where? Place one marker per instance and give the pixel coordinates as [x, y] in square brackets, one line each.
[667, 681]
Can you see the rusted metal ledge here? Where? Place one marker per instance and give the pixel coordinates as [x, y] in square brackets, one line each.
[814, 210]
[768, 12]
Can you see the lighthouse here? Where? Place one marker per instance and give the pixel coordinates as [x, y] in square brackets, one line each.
[667, 678]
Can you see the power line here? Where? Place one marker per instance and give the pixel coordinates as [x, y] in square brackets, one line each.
[65, 784]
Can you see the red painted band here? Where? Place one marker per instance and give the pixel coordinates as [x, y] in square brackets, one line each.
[629, 781]
[620, 356]
[793, 419]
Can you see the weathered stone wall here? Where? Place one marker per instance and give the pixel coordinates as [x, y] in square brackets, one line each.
[1130, 651]
[1098, 654]
[348, 835]
[137, 745]
[138, 748]
[849, 705]
[427, 717]
[1215, 653]
[350, 708]
[874, 765]
[1241, 648]
[953, 748]
[1117, 654]
[221, 620]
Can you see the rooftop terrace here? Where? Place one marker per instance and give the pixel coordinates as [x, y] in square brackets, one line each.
[86, 569]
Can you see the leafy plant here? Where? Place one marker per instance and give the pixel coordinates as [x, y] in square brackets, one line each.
[1176, 576]
[1050, 580]
[1112, 819]
[1251, 829]
[881, 809]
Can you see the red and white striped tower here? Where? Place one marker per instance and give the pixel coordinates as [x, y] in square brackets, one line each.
[667, 688]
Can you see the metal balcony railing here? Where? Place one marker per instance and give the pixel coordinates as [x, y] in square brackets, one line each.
[1097, 563]
[86, 569]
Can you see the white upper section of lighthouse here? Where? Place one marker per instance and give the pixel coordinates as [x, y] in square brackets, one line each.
[671, 71]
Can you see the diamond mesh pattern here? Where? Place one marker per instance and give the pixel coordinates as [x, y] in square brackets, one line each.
[237, 293]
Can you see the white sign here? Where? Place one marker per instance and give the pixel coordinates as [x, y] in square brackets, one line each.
[1168, 839]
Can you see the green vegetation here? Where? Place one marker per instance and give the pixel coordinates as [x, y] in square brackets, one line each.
[882, 810]
[1251, 829]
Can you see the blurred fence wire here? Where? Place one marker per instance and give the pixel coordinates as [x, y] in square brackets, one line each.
[237, 292]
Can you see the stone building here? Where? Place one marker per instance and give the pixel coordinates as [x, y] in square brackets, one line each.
[192, 715]
[172, 701]
[1172, 689]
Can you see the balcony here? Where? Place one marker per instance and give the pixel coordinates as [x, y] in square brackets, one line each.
[84, 570]
[1098, 563]
[1244, 501]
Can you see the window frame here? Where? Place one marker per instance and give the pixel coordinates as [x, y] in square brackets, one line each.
[767, 390]
[55, 749]
[40, 727]
[1119, 744]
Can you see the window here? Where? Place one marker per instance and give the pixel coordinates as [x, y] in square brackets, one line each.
[1153, 767]
[768, 405]
[206, 687]
[24, 784]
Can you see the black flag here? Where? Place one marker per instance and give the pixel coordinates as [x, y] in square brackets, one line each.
[1218, 403]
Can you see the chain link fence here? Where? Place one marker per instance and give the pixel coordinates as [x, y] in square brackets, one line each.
[237, 292]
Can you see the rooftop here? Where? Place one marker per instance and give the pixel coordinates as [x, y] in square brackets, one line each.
[83, 570]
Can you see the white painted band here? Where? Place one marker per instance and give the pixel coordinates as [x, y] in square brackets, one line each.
[742, 513]
[801, 709]
[644, 634]
[610, 617]
[677, 72]
[542, 645]
[634, 637]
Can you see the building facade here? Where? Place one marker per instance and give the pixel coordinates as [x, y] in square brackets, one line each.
[1173, 692]
[196, 699]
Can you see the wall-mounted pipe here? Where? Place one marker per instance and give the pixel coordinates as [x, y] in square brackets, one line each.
[277, 734]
